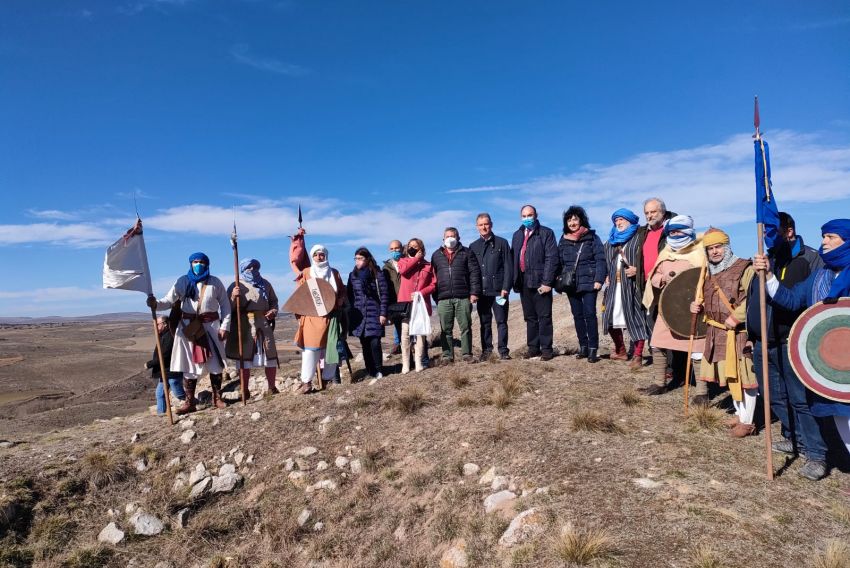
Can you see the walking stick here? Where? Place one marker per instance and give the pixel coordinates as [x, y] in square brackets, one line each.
[242, 382]
[762, 299]
[689, 363]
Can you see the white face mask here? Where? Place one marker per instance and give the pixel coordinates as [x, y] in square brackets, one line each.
[450, 242]
[322, 264]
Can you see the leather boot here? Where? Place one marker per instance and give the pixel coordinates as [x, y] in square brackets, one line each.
[271, 375]
[215, 383]
[582, 352]
[593, 355]
[188, 404]
[619, 352]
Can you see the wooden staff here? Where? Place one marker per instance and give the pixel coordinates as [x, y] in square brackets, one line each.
[242, 382]
[163, 372]
[688, 364]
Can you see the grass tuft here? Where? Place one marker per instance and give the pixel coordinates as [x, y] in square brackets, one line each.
[841, 513]
[410, 400]
[459, 379]
[467, 401]
[88, 558]
[582, 547]
[706, 418]
[835, 555]
[703, 556]
[593, 421]
[631, 398]
[510, 386]
[51, 535]
[104, 469]
[499, 433]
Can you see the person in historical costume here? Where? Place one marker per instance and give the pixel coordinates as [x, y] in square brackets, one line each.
[726, 358]
[203, 326]
[319, 336]
[623, 307]
[258, 305]
[830, 281]
[683, 250]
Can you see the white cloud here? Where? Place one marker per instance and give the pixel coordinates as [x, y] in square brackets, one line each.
[79, 235]
[241, 53]
[54, 214]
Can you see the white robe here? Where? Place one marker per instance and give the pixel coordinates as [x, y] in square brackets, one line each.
[215, 300]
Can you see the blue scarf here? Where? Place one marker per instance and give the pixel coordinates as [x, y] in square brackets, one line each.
[191, 290]
[683, 223]
[252, 276]
[838, 259]
[616, 237]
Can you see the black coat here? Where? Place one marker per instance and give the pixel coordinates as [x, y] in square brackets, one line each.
[494, 258]
[541, 257]
[590, 267]
[368, 300]
[459, 279]
[166, 341]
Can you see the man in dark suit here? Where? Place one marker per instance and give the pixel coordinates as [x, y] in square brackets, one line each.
[494, 255]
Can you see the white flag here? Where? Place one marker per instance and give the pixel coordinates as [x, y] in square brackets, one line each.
[125, 266]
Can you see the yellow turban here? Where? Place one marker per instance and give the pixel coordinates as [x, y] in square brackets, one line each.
[714, 237]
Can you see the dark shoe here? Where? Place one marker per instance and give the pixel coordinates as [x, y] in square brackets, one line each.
[582, 352]
[813, 470]
[468, 359]
[783, 446]
[396, 350]
[505, 357]
[547, 356]
[700, 400]
[593, 355]
[215, 384]
[531, 354]
[485, 356]
[444, 362]
[654, 390]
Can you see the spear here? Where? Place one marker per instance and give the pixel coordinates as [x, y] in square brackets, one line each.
[235, 245]
[764, 202]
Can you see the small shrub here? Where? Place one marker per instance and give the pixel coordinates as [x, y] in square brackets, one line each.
[703, 556]
[70, 487]
[593, 421]
[150, 454]
[513, 383]
[631, 398]
[373, 456]
[836, 554]
[459, 379]
[104, 469]
[500, 398]
[706, 418]
[410, 400]
[582, 546]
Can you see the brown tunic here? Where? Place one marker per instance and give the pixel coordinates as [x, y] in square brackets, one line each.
[730, 281]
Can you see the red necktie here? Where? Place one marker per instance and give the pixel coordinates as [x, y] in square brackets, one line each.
[522, 251]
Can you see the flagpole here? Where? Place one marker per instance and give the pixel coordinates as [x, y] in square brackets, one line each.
[242, 382]
[762, 305]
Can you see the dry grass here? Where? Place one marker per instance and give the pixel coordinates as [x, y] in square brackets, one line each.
[836, 554]
[581, 547]
[88, 558]
[103, 469]
[706, 418]
[459, 379]
[51, 534]
[149, 454]
[468, 401]
[510, 386]
[631, 398]
[409, 401]
[841, 513]
[499, 433]
[593, 421]
[703, 556]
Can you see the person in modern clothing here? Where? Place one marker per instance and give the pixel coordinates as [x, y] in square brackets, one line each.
[830, 281]
[535, 252]
[623, 307]
[258, 306]
[581, 251]
[319, 336]
[204, 324]
[175, 379]
[458, 287]
[368, 300]
[683, 250]
[726, 359]
[390, 270]
[792, 262]
[494, 256]
[416, 276]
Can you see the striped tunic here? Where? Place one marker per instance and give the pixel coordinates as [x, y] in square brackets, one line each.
[632, 306]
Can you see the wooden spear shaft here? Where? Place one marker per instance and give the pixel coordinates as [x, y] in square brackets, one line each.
[765, 378]
[163, 370]
[242, 383]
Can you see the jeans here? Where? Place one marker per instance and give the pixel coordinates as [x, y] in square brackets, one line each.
[449, 310]
[175, 384]
[537, 313]
[397, 332]
[487, 308]
[373, 357]
[790, 401]
[583, 307]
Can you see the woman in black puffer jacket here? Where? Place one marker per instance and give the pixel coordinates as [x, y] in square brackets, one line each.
[581, 251]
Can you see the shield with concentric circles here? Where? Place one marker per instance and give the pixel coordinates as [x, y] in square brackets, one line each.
[819, 349]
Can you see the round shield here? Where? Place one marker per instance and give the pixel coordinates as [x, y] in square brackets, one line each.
[819, 349]
[675, 304]
[315, 297]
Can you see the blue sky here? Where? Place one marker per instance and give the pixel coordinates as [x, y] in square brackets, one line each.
[393, 119]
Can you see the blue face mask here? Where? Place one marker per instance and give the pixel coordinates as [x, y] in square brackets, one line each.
[198, 268]
[528, 223]
[396, 254]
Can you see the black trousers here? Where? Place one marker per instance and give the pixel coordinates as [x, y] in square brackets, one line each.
[583, 307]
[372, 355]
[537, 313]
[487, 308]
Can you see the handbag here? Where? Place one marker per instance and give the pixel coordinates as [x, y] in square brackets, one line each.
[565, 282]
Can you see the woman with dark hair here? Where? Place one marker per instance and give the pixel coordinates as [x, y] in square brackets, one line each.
[581, 252]
[367, 297]
[417, 276]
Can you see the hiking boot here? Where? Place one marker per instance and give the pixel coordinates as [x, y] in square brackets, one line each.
[485, 356]
[215, 385]
[618, 355]
[653, 390]
[783, 446]
[531, 354]
[468, 358]
[188, 405]
[505, 357]
[742, 430]
[700, 400]
[593, 355]
[582, 352]
[813, 470]
[547, 356]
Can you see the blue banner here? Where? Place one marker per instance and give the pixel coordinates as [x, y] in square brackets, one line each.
[767, 211]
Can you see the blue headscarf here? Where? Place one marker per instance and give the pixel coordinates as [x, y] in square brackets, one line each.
[616, 237]
[838, 259]
[191, 290]
[684, 223]
[249, 271]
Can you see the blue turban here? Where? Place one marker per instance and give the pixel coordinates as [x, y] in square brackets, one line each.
[252, 276]
[839, 258]
[191, 290]
[616, 237]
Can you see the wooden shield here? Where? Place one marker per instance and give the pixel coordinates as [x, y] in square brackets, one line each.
[675, 304]
[313, 298]
[819, 349]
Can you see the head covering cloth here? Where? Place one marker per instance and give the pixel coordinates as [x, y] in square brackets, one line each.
[683, 223]
[249, 271]
[191, 289]
[838, 259]
[616, 237]
[321, 269]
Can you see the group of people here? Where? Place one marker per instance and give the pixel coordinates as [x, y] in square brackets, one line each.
[631, 268]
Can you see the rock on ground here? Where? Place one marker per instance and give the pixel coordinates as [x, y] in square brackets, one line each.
[455, 556]
[499, 501]
[225, 483]
[187, 436]
[200, 488]
[524, 526]
[487, 478]
[471, 469]
[111, 534]
[146, 524]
